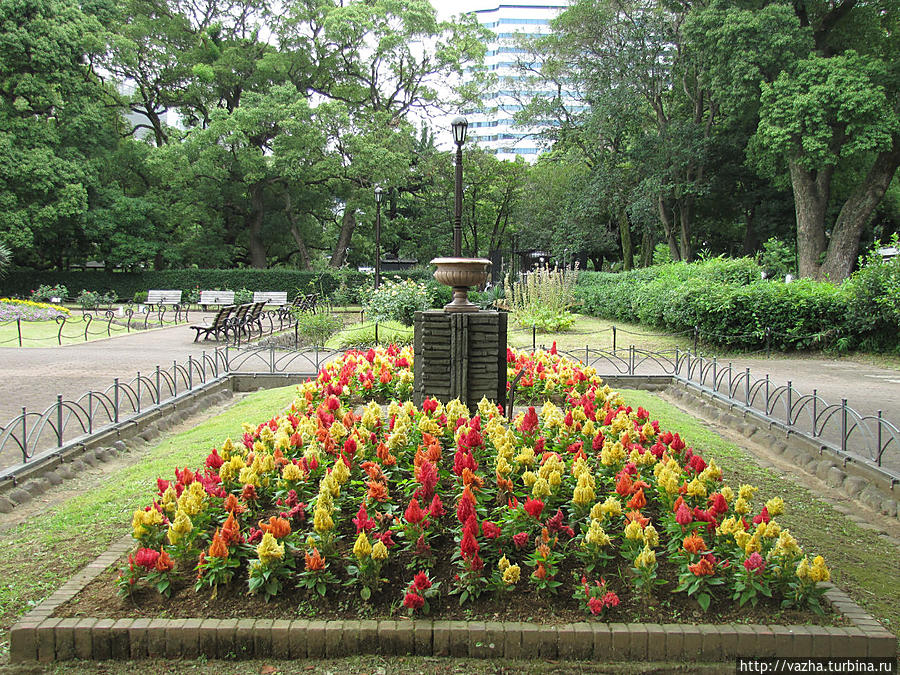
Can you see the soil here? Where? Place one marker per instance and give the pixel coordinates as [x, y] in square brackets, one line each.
[342, 601]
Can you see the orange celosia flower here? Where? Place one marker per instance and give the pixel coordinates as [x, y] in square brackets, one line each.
[314, 562]
[231, 530]
[467, 494]
[232, 505]
[638, 485]
[321, 433]
[638, 516]
[372, 470]
[545, 535]
[280, 459]
[384, 454]
[543, 550]
[164, 562]
[638, 501]
[702, 568]
[623, 485]
[218, 548]
[504, 484]
[277, 527]
[541, 571]
[470, 478]
[377, 491]
[694, 543]
[348, 420]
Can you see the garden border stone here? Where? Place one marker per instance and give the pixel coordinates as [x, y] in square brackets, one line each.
[39, 636]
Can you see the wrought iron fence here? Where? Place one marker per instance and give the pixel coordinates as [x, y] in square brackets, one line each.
[855, 436]
[33, 433]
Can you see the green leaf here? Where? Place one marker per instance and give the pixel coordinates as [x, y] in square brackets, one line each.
[703, 600]
[365, 593]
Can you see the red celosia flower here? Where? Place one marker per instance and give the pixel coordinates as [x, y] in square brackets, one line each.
[427, 475]
[362, 520]
[413, 601]
[597, 443]
[421, 582]
[683, 515]
[248, 494]
[490, 530]
[213, 461]
[763, 517]
[414, 513]
[520, 540]
[533, 508]
[718, 503]
[610, 599]
[146, 558]
[464, 510]
[754, 562]
[436, 510]
[386, 537]
[623, 485]
[471, 526]
[469, 546]
[595, 605]
[529, 422]
[429, 405]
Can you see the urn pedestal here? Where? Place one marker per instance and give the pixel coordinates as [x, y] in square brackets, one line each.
[460, 274]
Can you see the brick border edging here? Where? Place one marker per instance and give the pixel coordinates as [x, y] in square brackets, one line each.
[39, 636]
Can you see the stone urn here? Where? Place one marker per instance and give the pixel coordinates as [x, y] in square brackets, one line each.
[460, 274]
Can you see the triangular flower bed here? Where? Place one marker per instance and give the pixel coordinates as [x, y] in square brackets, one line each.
[576, 510]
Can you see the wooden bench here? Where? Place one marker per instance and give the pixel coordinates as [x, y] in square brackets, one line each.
[219, 326]
[163, 297]
[271, 298]
[220, 298]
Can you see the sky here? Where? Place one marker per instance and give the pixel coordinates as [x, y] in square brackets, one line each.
[448, 8]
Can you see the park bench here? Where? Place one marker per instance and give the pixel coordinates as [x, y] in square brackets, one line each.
[220, 298]
[219, 325]
[271, 298]
[302, 303]
[163, 298]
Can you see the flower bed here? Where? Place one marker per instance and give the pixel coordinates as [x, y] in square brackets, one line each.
[27, 310]
[584, 508]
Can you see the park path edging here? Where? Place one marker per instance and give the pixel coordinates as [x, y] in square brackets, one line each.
[39, 636]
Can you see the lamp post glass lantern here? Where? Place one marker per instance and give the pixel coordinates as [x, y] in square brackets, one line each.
[460, 126]
[379, 197]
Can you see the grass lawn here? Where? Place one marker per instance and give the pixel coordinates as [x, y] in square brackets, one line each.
[76, 530]
[45, 333]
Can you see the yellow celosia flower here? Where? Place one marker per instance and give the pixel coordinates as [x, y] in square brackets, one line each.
[429, 425]
[511, 575]
[729, 526]
[169, 501]
[742, 538]
[775, 506]
[747, 491]
[555, 479]
[728, 493]
[143, 521]
[525, 456]
[322, 521]
[773, 529]
[583, 493]
[595, 535]
[634, 530]
[612, 453]
[540, 489]
[589, 429]
[529, 478]
[612, 507]
[486, 409]
[503, 467]
[179, 528]
[818, 571]
[340, 472]
[502, 564]
[696, 488]
[193, 500]
[266, 435]
[362, 547]
[646, 558]
[651, 536]
[786, 545]
[742, 506]
[292, 472]
[803, 568]
[248, 477]
[269, 550]
[379, 551]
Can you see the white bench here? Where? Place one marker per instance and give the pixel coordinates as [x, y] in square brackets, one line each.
[163, 297]
[271, 298]
[220, 298]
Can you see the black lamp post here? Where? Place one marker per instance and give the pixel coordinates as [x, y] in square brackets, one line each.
[379, 196]
[460, 125]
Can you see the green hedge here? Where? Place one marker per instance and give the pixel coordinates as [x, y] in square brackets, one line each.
[342, 286]
[734, 307]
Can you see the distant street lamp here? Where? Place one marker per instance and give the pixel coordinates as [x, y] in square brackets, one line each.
[460, 125]
[379, 197]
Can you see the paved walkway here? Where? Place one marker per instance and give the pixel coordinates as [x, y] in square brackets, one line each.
[33, 377]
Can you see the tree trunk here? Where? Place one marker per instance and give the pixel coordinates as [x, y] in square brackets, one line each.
[348, 224]
[667, 228]
[627, 247]
[305, 261]
[647, 248]
[750, 235]
[257, 249]
[811, 192]
[685, 215]
[843, 247]
[597, 260]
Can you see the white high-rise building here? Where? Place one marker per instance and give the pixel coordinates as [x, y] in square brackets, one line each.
[493, 126]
